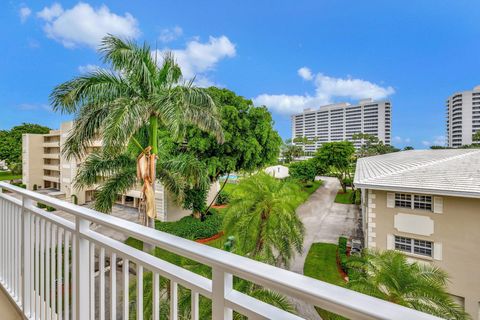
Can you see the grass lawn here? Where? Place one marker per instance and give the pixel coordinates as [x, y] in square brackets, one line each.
[346, 198]
[7, 175]
[311, 188]
[321, 264]
[135, 243]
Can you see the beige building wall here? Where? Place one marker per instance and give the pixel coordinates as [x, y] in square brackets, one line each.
[32, 164]
[454, 230]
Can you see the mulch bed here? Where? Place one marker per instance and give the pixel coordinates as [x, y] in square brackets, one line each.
[219, 206]
[207, 240]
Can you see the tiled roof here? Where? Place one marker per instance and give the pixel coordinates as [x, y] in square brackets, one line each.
[450, 171]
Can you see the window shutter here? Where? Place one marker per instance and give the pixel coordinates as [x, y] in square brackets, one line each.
[390, 242]
[390, 200]
[437, 251]
[438, 204]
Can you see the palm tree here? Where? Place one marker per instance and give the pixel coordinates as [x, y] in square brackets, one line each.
[126, 107]
[389, 276]
[261, 215]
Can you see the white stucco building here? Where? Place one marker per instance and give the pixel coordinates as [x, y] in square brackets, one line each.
[462, 117]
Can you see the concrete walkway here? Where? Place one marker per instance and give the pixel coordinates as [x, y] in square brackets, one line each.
[324, 221]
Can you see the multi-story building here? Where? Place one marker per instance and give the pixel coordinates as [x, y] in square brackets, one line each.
[340, 121]
[463, 117]
[426, 203]
[47, 170]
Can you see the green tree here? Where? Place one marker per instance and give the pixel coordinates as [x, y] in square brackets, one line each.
[408, 148]
[126, 107]
[261, 215]
[389, 276]
[250, 143]
[290, 152]
[371, 145]
[339, 157]
[11, 142]
[476, 137]
[303, 171]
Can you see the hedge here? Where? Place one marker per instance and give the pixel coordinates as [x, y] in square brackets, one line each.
[44, 206]
[342, 253]
[191, 228]
[223, 198]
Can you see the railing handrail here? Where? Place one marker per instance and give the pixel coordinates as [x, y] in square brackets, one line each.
[330, 297]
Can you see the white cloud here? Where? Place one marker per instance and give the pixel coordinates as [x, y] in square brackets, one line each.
[198, 58]
[326, 90]
[305, 73]
[437, 141]
[24, 13]
[168, 35]
[50, 13]
[88, 68]
[85, 25]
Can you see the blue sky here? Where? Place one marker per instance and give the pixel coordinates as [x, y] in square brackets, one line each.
[288, 55]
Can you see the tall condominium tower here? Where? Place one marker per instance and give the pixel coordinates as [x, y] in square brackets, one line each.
[463, 117]
[339, 122]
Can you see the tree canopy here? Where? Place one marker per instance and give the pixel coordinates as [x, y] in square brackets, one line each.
[11, 141]
[126, 106]
[262, 217]
[250, 141]
[372, 146]
[340, 157]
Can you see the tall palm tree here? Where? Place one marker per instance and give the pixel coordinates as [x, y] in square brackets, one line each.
[389, 276]
[261, 215]
[126, 106]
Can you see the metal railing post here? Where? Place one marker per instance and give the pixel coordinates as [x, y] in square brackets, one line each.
[222, 285]
[26, 270]
[82, 273]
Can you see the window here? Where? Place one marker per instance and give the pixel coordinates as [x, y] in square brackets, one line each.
[420, 247]
[403, 200]
[421, 202]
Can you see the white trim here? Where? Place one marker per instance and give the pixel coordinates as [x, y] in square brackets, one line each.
[420, 190]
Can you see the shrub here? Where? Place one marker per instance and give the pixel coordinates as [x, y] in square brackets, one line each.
[342, 253]
[44, 206]
[348, 182]
[223, 198]
[191, 228]
[302, 170]
[21, 185]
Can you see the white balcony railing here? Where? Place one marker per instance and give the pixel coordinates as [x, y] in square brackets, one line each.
[47, 282]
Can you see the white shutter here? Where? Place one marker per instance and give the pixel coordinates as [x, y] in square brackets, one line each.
[390, 200]
[437, 251]
[438, 204]
[390, 242]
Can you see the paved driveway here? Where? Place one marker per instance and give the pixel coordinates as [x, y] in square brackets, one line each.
[324, 221]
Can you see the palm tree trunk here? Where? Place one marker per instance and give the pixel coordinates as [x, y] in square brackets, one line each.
[216, 196]
[154, 145]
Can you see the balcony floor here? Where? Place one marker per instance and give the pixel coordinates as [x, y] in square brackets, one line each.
[7, 310]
